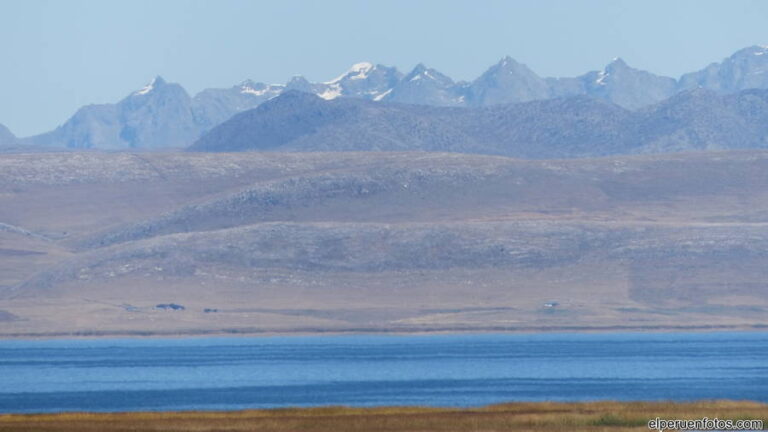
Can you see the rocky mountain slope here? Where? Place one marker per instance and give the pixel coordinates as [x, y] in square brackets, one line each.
[279, 242]
[554, 128]
[7, 138]
[159, 115]
[745, 69]
[163, 115]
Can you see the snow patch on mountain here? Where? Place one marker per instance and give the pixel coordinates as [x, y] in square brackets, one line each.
[271, 89]
[162, 115]
[358, 71]
[332, 92]
[382, 95]
[149, 87]
[601, 76]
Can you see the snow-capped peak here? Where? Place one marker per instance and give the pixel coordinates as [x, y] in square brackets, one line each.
[506, 61]
[249, 84]
[260, 89]
[617, 62]
[356, 72]
[750, 51]
[419, 72]
[157, 81]
[361, 67]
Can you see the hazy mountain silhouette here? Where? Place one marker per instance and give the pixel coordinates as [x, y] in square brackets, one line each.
[579, 126]
[163, 115]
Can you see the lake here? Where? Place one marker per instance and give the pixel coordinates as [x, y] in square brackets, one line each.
[442, 370]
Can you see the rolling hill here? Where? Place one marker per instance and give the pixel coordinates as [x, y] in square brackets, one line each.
[264, 242]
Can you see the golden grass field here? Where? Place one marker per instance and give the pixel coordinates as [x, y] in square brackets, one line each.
[533, 416]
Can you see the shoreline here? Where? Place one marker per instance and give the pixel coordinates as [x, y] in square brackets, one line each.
[539, 416]
[306, 332]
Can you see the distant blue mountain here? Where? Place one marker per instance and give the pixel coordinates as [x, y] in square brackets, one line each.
[576, 126]
[6, 137]
[162, 115]
[745, 69]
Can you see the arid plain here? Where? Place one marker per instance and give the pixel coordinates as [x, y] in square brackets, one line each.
[97, 243]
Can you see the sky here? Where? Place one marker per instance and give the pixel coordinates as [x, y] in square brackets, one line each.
[58, 55]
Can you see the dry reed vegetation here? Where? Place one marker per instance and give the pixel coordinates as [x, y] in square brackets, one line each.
[544, 416]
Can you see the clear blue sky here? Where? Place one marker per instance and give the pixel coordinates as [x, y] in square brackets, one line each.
[59, 55]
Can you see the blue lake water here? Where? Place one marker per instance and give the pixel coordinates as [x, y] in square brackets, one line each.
[455, 370]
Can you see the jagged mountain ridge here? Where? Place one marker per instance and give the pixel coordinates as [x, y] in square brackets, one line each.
[163, 115]
[573, 127]
[745, 69]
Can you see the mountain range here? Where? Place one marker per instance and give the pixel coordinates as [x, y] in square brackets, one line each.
[578, 126]
[164, 115]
